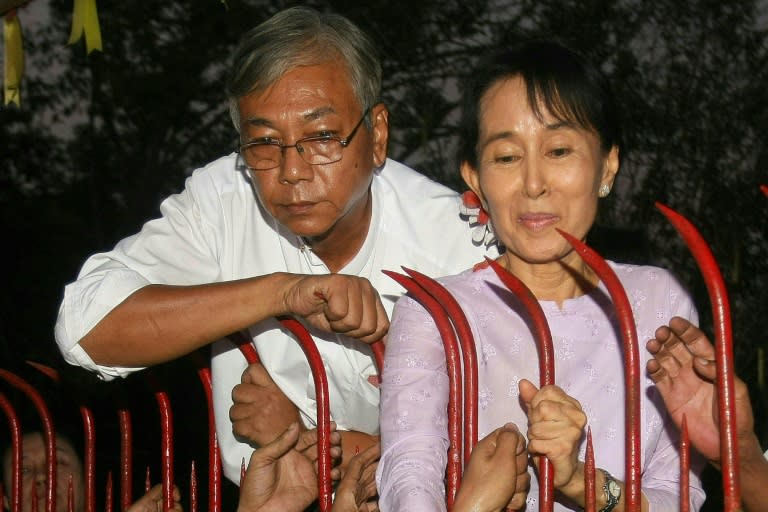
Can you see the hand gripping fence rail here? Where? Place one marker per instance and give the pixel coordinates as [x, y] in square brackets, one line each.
[461, 359]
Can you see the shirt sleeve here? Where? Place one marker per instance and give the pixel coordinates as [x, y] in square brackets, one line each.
[177, 248]
[414, 399]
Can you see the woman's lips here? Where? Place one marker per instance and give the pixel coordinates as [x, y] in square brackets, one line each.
[537, 221]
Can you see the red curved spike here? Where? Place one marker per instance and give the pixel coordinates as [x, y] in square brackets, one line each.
[590, 499]
[89, 464]
[108, 493]
[543, 337]
[193, 488]
[89, 433]
[626, 322]
[245, 344]
[214, 460]
[685, 467]
[15, 429]
[166, 453]
[45, 370]
[323, 411]
[34, 500]
[453, 367]
[721, 317]
[126, 458]
[70, 494]
[468, 354]
[48, 431]
[378, 356]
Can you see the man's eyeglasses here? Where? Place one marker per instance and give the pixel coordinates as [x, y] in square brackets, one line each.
[267, 153]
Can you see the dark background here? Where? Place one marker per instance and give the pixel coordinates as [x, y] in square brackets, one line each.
[100, 139]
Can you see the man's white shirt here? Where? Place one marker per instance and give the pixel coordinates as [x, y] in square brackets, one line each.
[215, 230]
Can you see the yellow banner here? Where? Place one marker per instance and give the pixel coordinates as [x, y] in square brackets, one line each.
[85, 20]
[14, 58]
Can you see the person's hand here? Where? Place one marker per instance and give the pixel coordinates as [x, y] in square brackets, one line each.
[281, 476]
[260, 411]
[497, 476]
[357, 489]
[153, 501]
[684, 370]
[556, 424]
[340, 303]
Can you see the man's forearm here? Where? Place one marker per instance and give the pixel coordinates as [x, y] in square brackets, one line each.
[159, 323]
[354, 442]
[754, 482]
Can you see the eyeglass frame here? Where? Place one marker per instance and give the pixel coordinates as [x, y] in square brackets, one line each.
[268, 141]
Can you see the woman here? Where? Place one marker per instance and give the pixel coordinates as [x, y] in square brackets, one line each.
[540, 147]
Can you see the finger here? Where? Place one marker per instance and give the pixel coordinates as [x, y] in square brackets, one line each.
[239, 412]
[707, 368]
[258, 375]
[277, 448]
[694, 338]
[308, 438]
[508, 443]
[376, 322]
[555, 394]
[155, 493]
[337, 301]
[527, 391]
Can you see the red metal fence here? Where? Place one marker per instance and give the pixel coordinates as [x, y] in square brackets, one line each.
[462, 370]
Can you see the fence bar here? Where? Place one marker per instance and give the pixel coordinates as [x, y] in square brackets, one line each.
[685, 467]
[546, 352]
[214, 457]
[721, 319]
[378, 356]
[166, 456]
[453, 367]
[108, 496]
[89, 433]
[193, 488]
[15, 428]
[631, 366]
[126, 458]
[70, 494]
[48, 430]
[468, 354]
[590, 499]
[323, 412]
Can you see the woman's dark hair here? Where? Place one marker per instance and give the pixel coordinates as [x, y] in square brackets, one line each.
[558, 81]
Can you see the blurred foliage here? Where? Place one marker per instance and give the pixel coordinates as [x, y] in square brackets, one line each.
[101, 139]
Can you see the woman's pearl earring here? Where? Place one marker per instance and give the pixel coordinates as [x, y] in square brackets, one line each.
[605, 189]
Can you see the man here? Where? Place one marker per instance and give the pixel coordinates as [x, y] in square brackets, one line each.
[34, 476]
[684, 371]
[330, 212]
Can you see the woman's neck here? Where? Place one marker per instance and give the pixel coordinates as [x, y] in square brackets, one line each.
[556, 281]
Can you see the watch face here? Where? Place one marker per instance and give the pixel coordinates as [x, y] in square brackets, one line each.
[614, 488]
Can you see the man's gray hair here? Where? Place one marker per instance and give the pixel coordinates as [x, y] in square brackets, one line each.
[301, 36]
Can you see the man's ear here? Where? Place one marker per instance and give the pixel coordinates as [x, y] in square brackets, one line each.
[472, 178]
[380, 131]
